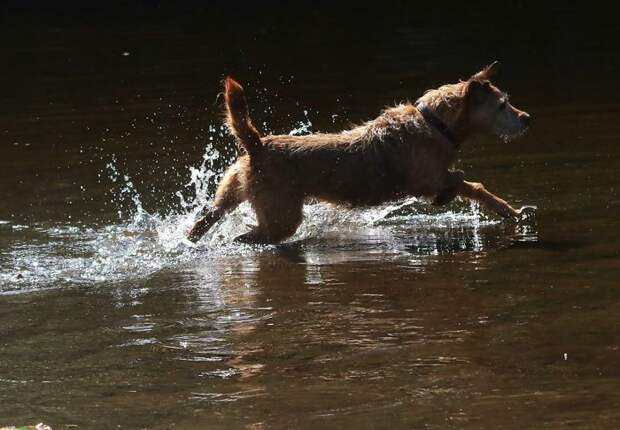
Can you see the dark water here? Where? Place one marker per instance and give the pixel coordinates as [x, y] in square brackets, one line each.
[400, 316]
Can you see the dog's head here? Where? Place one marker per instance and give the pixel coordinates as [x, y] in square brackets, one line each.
[489, 109]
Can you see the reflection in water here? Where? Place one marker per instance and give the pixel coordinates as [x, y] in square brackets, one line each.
[301, 292]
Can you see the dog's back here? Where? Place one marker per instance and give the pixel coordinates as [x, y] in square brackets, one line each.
[366, 165]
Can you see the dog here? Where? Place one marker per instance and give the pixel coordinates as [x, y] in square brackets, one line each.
[408, 150]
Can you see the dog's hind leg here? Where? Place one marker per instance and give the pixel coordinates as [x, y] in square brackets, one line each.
[276, 220]
[204, 223]
[453, 181]
[227, 198]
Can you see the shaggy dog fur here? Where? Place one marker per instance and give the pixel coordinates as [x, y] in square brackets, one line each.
[407, 151]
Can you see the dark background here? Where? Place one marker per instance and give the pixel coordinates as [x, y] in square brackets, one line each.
[72, 101]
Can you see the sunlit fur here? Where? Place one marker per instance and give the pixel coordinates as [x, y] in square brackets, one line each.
[451, 104]
[397, 154]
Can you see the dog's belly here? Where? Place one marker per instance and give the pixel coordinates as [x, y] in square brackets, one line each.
[358, 200]
[352, 176]
[362, 190]
[374, 188]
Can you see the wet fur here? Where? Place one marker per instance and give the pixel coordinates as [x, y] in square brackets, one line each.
[398, 154]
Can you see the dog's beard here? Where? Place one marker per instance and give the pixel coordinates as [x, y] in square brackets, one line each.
[509, 137]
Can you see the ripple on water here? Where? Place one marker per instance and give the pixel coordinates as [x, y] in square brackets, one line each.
[61, 255]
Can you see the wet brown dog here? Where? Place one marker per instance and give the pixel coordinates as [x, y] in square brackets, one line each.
[407, 151]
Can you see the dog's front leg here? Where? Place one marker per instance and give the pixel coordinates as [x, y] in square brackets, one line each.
[476, 191]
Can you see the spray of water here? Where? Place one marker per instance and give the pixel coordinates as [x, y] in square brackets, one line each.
[143, 243]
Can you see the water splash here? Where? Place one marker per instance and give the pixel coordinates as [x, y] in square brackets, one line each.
[142, 243]
[127, 189]
[302, 127]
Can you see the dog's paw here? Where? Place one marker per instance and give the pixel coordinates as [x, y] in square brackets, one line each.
[188, 242]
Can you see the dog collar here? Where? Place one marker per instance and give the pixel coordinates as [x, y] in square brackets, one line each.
[438, 124]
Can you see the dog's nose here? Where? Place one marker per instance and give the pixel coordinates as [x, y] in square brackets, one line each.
[526, 118]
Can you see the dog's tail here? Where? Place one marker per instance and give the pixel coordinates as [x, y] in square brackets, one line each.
[238, 117]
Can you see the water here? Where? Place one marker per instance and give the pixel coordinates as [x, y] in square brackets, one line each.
[400, 316]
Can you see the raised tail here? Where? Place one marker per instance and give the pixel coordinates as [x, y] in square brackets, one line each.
[238, 117]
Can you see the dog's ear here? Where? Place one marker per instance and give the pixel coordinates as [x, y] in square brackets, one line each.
[478, 90]
[487, 73]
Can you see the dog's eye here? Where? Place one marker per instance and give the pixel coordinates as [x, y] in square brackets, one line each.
[503, 105]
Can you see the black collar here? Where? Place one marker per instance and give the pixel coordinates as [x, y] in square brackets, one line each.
[438, 124]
